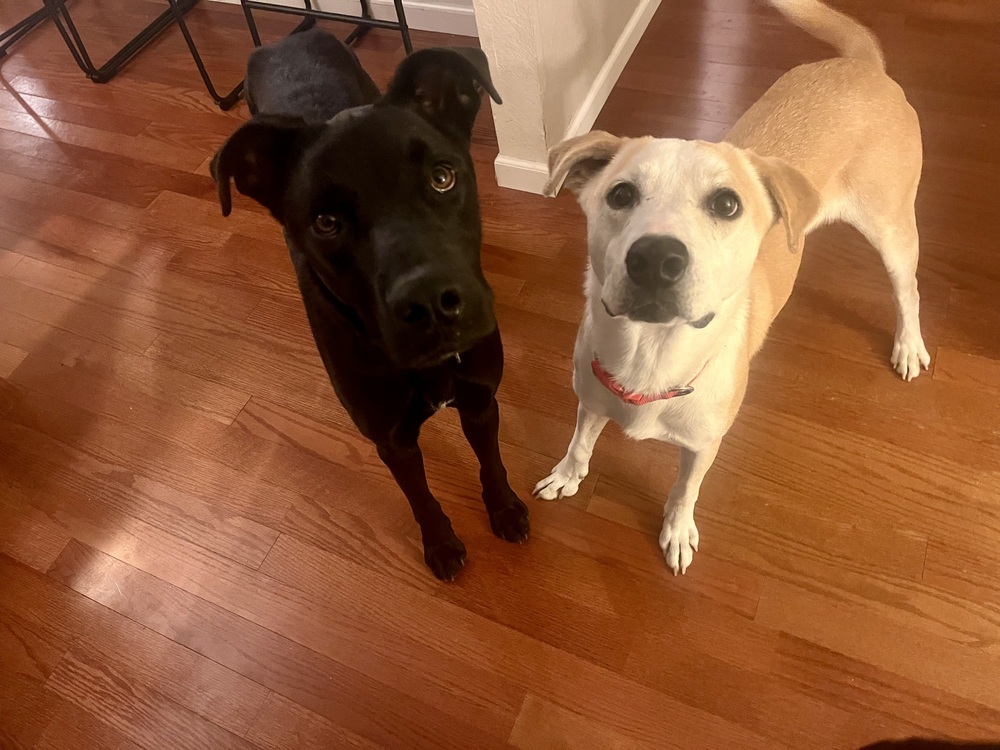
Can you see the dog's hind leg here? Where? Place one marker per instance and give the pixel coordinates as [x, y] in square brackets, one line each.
[508, 515]
[877, 196]
[898, 243]
[565, 478]
[444, 552]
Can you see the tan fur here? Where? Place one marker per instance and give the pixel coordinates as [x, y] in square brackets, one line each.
[574, 161]
[832, 140]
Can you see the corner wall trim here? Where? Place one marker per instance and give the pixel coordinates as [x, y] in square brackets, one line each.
[521, 174]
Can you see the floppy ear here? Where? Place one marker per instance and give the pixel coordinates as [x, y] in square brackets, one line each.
[443, 85]
[260, 157]
[797, 202]
[575, 161]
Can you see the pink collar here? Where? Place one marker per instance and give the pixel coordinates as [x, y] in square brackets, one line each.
[639, 399]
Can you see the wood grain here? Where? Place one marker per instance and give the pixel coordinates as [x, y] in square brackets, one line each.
[198, 549]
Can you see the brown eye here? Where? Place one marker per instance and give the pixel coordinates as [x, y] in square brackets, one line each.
[443, 177]
[725, 204]
[623, 195]
[328, 225]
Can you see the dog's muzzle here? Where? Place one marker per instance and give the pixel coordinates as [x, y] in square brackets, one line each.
[433, 315]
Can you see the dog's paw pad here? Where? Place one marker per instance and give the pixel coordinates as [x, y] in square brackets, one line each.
[679, 541]
[909, 355]
[445, 558]
[511, 523]
[564, 481]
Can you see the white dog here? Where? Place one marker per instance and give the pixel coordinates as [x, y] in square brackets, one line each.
[694, 248]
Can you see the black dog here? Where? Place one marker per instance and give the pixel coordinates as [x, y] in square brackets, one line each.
[377, 197]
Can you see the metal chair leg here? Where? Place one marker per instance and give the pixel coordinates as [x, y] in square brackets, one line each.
[225, 101]
[16, 32]
[71, 35]
[404, 29]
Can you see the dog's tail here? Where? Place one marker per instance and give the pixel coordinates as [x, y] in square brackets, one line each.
[849, 37]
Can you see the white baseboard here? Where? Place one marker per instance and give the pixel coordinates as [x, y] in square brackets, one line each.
[445, 16]
[531, 176]
[521, 174]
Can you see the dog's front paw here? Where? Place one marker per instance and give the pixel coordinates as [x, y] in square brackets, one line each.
[564, 481]
[445, 558]
[908, 355]
[511, 521]
[679, 540]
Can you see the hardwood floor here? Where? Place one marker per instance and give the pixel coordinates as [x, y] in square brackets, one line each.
[197, 549]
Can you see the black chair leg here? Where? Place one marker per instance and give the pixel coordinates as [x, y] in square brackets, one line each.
[225, 101]
[16, 32]
[107, 71]
[175, 14]
[404, 29]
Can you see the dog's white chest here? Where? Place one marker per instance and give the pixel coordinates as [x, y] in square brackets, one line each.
[671, 421]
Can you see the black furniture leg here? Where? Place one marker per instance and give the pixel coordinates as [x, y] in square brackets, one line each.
[362, 28]
[175, 14]
[225, 101]
[404, 30]
[103, 74]
[12, 35]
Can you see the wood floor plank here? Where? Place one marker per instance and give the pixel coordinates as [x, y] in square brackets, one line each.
[62, 111]
[27, 651]
[598, 692]
[85, 373]
[284, 725]
[483, 708]
[26, 708]
[894, 706]
[72, 727]
[545, 726]
[258, 264]
[318, 683]
[159, 105]
[112, 498]
[166, 303]
[141, 146]
[969, 370]
[141, 656]
[929, 659]
[968, 566]
[28, 535]
[750, 543]
[139, 712]
[11, 358]
[164, 234]
[22, 307]
[8, 259]
[61, 617]
[118, 177]
[167, 460]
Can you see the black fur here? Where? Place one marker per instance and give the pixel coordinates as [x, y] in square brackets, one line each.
[323, 144]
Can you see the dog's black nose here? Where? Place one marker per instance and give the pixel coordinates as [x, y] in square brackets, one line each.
[656, 261]
[424, 301]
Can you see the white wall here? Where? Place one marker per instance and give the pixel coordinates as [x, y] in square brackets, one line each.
[572, 58]
[509, 34]
[450, 16]
[554, 63]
